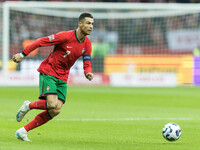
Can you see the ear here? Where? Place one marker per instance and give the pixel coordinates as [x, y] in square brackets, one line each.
[79, 23]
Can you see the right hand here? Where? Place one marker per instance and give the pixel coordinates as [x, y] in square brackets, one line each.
[17, 58]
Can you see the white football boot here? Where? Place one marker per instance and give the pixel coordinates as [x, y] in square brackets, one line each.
[23, 110]
[21, 134]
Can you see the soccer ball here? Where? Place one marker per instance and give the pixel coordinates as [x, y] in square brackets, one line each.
[171, 132]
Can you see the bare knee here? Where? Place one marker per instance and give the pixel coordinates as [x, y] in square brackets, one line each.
[52, 102]
[57, 110]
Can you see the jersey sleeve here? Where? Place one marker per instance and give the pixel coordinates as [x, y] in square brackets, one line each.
[87, 65]
[45, 41]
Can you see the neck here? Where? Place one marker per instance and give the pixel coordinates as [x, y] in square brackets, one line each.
[80, 35]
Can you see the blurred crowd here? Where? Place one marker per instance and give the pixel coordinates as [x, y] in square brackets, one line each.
[137, 32]
[145, 35]
[131, 1]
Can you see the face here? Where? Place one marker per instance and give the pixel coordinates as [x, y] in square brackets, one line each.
[86, 25]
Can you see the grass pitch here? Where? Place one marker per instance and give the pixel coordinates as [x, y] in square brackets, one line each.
[105, 118]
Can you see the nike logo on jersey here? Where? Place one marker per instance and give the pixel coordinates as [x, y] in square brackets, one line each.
[69, 47]
[67, 53]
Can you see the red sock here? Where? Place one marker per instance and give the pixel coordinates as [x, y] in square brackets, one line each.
[40, 104]
[39, 120]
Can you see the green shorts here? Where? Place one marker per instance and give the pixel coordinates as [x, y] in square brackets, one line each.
[49, 85]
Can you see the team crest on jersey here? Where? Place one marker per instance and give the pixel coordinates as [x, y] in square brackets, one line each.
[48, 88]
[51, 37]
[83, 50]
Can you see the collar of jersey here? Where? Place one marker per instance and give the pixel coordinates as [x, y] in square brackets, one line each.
[77, 38]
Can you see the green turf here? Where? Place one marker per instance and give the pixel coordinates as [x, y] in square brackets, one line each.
[105, 118]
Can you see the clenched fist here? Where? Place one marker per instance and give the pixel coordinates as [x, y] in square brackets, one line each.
[89, 76]
[17, 57]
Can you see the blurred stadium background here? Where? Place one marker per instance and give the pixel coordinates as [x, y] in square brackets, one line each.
[134, 44]
[153, 44]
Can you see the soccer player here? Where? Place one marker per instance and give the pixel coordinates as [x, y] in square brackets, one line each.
[54, 71]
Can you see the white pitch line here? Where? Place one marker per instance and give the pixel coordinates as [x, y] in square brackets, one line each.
[122, 119]
[111, 119]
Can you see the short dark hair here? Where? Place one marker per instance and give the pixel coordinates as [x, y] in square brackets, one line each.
[83, 15]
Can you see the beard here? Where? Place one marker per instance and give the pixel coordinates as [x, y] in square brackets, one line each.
[85, 32]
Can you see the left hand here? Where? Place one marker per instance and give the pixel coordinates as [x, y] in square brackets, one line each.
[89, 76]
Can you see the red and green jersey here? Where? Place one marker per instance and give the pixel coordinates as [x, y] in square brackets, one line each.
[66, 51]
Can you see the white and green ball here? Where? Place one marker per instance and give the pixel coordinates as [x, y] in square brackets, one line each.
[171, 132]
